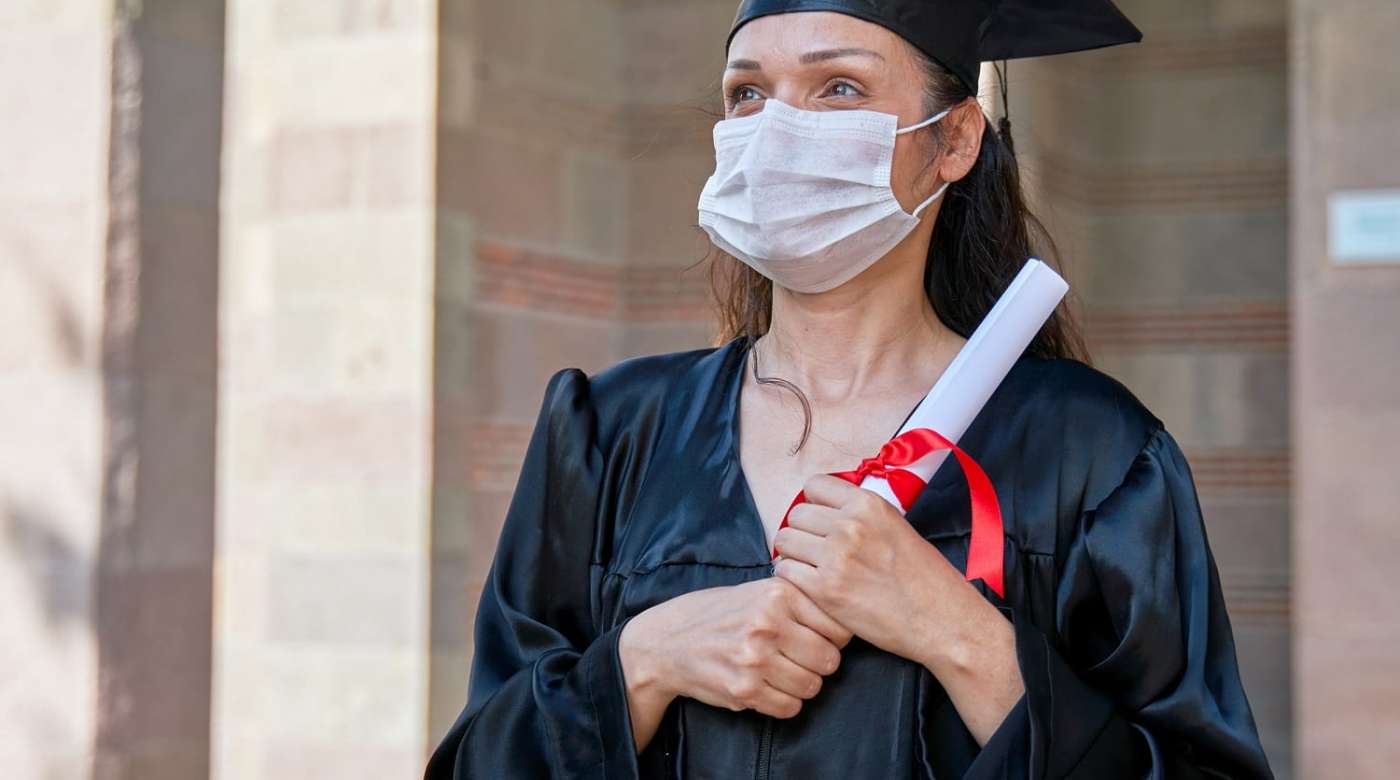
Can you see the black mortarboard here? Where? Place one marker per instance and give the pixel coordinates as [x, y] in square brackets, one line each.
[962, 34]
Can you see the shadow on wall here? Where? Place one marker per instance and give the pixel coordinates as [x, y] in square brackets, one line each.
[59, 575]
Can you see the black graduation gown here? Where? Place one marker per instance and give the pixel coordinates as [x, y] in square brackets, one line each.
[631, 494]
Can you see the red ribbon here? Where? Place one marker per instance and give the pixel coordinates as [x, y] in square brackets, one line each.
[984, 553]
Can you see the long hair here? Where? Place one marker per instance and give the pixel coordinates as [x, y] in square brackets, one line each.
[984, 234]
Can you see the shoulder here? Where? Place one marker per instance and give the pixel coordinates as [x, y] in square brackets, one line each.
[627, 391]
[1096, 423]
[667, 370]
[1071, 389]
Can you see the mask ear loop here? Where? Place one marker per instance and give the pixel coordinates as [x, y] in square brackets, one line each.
[912, 128]
[926, 122]
[931, 199]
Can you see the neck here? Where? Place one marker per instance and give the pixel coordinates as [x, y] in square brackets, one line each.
[867, 338]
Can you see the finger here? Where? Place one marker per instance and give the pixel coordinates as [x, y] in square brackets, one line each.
[826, 490]
[809, 649]
[791, 677]
[779, 704]
[804, 609]
[815, 518]
[800, 574]
[800, 545]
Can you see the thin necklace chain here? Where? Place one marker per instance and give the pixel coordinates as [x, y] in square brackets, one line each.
[938, 343]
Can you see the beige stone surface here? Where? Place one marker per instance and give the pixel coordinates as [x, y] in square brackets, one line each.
[54, 97]
[424, 209]
[1162, 169]
[1346, 114]
[325, 407]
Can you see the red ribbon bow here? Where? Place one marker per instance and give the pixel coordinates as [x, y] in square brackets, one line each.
[984, 553]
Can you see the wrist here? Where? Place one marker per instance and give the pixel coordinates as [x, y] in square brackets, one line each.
[972, 649]
[643, 662]
[959, 631]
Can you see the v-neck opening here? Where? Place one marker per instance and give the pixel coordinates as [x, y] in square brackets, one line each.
[736, 391]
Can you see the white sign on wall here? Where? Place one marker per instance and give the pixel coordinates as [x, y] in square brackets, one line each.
[1364, 226]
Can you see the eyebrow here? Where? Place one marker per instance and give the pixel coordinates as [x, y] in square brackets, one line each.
[811, 57]
[836, 54]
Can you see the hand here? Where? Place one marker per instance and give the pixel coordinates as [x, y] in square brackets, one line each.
[861, 562]
[762, 645]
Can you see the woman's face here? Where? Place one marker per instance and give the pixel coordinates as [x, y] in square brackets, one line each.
[823, 61]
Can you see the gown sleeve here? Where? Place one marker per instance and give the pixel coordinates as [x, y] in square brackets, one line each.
[1139, 678]
[546, 697]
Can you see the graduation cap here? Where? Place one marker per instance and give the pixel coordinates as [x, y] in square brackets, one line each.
[962, 34]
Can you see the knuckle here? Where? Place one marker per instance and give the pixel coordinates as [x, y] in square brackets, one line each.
[748, 655]
[761, 624]
[778, 591]
[744, 691]
[866, 502]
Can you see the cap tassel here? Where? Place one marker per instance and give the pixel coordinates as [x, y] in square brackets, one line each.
[1004, 124]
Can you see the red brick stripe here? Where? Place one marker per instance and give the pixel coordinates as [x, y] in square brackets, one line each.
[523, 278]
[1240, 470]
[1230, 326]
[1245, 184]
[495, 451]
[538, 281]
[1257, 598]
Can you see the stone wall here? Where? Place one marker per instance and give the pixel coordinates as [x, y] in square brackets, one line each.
[1346, 405]
[281, 284]
[325, 403]
[1162, 169]
[573, 142]
[108, 246]
[55, 94]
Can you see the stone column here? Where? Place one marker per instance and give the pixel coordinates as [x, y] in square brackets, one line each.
[1346, 381]
[325, 434]
[160, 357]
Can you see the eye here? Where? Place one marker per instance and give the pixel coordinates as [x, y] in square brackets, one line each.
[842, 89]
[743, 93]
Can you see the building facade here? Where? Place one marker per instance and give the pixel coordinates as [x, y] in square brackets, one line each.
[281, 284]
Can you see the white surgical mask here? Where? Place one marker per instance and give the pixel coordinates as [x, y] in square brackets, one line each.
[804, 196]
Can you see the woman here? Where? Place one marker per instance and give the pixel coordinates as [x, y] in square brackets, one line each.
[633, 623]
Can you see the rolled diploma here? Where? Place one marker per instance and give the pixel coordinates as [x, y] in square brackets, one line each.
[981, 365]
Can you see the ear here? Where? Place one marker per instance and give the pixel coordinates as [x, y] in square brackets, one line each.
[962, 140]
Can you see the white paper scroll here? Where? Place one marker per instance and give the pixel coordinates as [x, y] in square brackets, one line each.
[981, 365]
